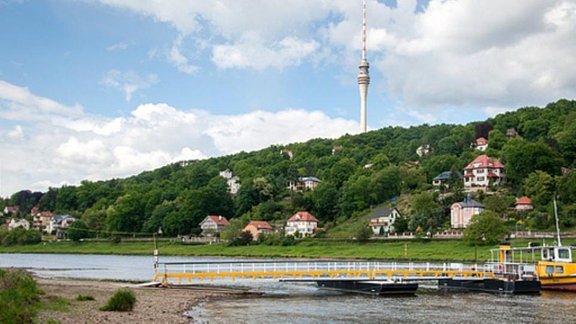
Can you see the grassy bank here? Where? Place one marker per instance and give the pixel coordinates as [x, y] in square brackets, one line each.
[412, 250]
[390, 250]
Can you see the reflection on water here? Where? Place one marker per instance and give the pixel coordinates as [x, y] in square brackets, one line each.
[310, 305]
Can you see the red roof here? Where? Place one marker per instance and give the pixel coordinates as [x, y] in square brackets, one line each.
[260, 224]
[469, 175]
[492, 175]
[219, 220]
[481, 141]
[302, 216]
[523, 201]
[484, 161]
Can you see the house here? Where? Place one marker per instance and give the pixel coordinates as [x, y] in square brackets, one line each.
[41, 220]
[304, 183]
[213, 224]
[484, 171]
[511, 133]
[481, 144]
[443, 179]
[462, 212]
[18, 222]
[258, 227]
[523, 204]
[232, 181]
[302, 222]
[423, 150]
[382, 220]
[59, 225]
[11, 210]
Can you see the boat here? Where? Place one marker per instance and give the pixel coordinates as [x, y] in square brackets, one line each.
[553, 265]
[385, 287]
[490, 285]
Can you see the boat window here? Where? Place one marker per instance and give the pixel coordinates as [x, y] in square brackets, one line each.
[563, 253]
[559, 269]
[546, 254]
[549, 270]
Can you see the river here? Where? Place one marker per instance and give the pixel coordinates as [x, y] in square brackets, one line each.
[304, 303]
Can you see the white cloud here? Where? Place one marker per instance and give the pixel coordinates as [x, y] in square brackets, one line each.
[128, 82]
[67, 150]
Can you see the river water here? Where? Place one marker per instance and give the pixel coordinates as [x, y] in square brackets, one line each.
[304, 303]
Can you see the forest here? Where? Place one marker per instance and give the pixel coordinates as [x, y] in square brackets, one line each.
[357, 173]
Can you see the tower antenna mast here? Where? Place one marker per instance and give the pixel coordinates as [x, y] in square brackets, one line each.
[363, 74]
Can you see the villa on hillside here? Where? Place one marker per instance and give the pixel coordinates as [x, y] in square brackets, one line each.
[302, 222]
[523, 204]
[481, 144]
[484, 171]
[382, 220]
[213, 224]
[257, 228]
[232, 181]
[462, 212]
[304, 183]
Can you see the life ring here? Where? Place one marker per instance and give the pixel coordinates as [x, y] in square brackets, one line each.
[500, 267]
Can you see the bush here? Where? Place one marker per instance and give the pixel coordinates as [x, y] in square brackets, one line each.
[20, 236]
[84, 297]
[123, 300]
[18, 297]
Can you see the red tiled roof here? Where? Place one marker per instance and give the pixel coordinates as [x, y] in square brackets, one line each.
[481, 141]
[523, 201]
[484, 161]
[492, 175]
[303, 216]
[469, 175]
[260, 224]
[219, 220]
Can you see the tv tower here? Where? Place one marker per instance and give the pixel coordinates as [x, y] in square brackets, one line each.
[363, 75]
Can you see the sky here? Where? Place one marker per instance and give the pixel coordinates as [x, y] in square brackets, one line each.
[102, 89]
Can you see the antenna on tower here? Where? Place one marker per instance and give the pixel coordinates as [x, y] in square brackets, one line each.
[363, 74]
[364, 30]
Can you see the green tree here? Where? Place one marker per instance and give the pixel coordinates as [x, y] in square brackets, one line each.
[486, 228]
[540, 187]
[78, 231]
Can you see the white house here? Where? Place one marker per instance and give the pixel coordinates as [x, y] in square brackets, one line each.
[59, 223]
[232, 181]
[481, 144]
[304, 183]
[382, 220]
[484, 171]
[302, 222]
[213, 224]
[18, 222]
[523, 204]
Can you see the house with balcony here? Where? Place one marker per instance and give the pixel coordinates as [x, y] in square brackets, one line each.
[484, 171]
[382, 220]
[302, 222]
[304, 184]
[445, 178]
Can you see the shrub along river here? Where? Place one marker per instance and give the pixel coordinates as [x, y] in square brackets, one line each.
[304, 303]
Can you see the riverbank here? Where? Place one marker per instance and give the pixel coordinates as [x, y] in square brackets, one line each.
[154, 305]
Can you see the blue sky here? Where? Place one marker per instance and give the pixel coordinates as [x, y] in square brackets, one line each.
[101, 89]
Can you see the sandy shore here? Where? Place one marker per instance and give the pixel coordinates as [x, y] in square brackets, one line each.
[154, 305]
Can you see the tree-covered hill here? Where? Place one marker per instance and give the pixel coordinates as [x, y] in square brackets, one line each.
[357, 172]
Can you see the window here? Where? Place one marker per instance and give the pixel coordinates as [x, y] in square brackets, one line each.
[559, 269]
[480, 179]
[480, 171]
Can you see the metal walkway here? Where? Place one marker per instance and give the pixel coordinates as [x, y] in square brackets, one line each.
[192, 272]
